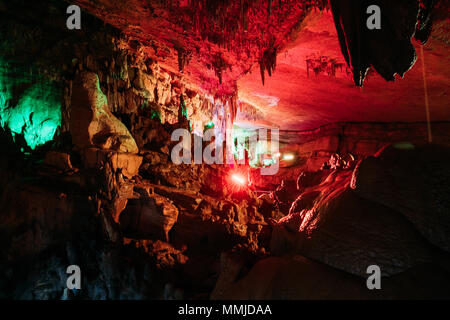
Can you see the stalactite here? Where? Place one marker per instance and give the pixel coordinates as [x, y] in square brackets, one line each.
[262, 71]
[235, 27]
[181, 60]
[268, 61]
[424, 23]
[219, 65]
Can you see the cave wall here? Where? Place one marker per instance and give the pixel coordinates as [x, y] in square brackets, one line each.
[58, 216]
[314, 147]
[39, 58]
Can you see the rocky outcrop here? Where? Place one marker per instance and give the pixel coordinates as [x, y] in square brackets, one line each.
[58, 160]
[388, 49]
[352, 230]
[414, 181]
[91, 122]
[298, 278]
[304, 202]
[164, 254]
[125, 163]
[315, 147]
[350, 233]
[150, 216]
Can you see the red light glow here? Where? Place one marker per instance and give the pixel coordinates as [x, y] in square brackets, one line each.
[239, 179]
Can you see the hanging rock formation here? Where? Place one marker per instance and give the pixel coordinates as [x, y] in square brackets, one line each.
[389, 49]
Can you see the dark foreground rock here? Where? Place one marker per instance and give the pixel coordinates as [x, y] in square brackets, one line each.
[391, 211]
[413, 180]
[298, 278]
[349, 233]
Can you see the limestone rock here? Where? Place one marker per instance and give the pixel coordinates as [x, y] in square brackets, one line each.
[59, 160]
[298, 278]
[304, 202]
[164, 254]
[309, 179]
[230, 266]
[128, 163]
[149, 216]
[350, 233]
[415, 181]
[91, 121]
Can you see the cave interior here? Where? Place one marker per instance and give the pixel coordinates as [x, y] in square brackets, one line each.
[225, 149]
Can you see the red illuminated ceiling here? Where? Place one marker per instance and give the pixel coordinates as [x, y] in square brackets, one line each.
[291, 100]
[217, 43]
[213, 42]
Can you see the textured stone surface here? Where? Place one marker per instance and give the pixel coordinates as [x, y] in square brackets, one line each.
[54, 218]
[314, 147]
[350, 233]
[58, 160]
[413, 180]
[128, 164]
[149, 216]
[92, 123]
[298, 278]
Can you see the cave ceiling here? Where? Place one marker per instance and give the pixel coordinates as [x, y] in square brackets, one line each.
[293, 101]
[213, 43]
[270, 51]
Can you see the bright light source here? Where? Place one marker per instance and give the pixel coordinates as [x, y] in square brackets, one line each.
[278, 155]
[288, 157]
[239, 179]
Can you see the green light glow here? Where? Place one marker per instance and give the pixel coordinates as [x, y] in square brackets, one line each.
[260, 156]
[155, 115]
[29, 105]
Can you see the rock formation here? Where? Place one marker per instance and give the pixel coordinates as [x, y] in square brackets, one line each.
[413, 180]
[92, 123]
[388, 49]
[101, 191]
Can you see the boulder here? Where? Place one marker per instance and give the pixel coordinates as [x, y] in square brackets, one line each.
[304, 202]
[309, 179]
[351, 233]
[285, 194]
[127, 163]
[152, 217]
[91, 121]
[413, 180]
[58, 160]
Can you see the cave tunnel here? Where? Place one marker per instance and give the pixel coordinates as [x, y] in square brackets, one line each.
[224, 150]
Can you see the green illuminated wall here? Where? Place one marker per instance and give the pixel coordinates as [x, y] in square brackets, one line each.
[29, 104]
